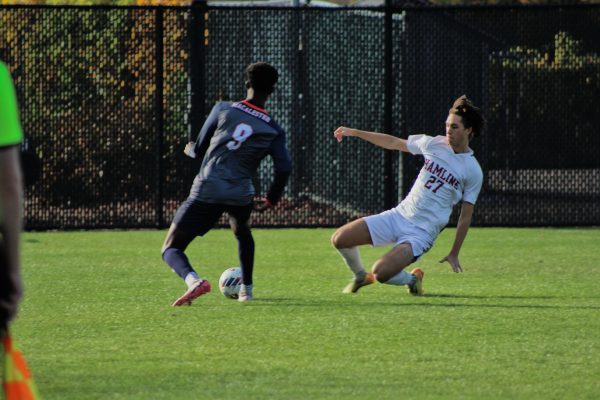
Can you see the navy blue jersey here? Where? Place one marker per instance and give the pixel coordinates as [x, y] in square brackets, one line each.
[238, 136]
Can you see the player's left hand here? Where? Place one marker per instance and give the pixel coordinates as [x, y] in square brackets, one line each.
[453, 261]
[262, 204]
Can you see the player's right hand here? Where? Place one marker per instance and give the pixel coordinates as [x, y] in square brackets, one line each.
[343, 131]
[189, 149]
[262, 204]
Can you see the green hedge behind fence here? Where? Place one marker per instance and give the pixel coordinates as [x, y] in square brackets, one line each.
[105, 96]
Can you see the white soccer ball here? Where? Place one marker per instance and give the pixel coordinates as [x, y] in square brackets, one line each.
[230, 282]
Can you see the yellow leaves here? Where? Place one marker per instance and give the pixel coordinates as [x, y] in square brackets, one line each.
[567, 53]
[162, 2]
[183, 3]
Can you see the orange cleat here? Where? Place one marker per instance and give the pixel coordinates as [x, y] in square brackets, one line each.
[355, 285]
[416, 289]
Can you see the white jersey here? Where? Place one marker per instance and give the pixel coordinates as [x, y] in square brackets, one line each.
[445, 179]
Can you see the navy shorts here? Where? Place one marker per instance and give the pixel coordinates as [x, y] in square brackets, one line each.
[196, 217]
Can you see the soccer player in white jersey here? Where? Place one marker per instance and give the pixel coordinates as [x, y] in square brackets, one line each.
[450, 174]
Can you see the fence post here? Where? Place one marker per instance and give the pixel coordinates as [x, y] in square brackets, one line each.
[159, 98]
[390, 199]
[196, 31]
[297, 139]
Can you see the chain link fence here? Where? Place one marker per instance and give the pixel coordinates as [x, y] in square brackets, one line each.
[110, 95]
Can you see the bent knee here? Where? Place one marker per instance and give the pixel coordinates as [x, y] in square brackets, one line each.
[163, 251]
[334, 239]
[337, 240]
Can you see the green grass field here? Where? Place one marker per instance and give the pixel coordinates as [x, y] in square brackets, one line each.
[522, 321]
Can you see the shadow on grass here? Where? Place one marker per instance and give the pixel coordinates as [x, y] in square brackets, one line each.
[508, 306]
[323, 303]
[502, 297]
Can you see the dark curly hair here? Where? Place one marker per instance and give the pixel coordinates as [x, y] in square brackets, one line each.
[262, 77]
[470, 114]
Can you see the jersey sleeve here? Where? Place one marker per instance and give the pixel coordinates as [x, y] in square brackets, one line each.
[207, 131]
[281, 156]
[282, 163]
[10, 127]
[417, 144]
[473, 185]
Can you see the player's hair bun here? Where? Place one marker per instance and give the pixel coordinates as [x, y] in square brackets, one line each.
[470, 114]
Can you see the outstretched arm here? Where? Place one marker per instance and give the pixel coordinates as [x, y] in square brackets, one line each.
[386, 141]
[464, 222]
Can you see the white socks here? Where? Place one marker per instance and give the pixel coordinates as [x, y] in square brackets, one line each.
[245, 293]
[191, 278]
[401, 278]
[352, 259]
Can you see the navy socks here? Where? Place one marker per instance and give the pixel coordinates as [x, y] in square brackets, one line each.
[246, 253]
[178, 261]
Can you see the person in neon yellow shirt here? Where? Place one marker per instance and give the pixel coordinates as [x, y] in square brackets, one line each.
[11, 200]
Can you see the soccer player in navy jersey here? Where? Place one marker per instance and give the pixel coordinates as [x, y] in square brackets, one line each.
[235, 138]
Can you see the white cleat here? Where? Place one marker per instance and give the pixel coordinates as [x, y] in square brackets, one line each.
[246, 297]
[245, 293]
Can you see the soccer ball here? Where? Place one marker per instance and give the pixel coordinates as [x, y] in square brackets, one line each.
[230, 282]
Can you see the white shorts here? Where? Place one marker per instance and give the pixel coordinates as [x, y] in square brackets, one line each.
[390, 227]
